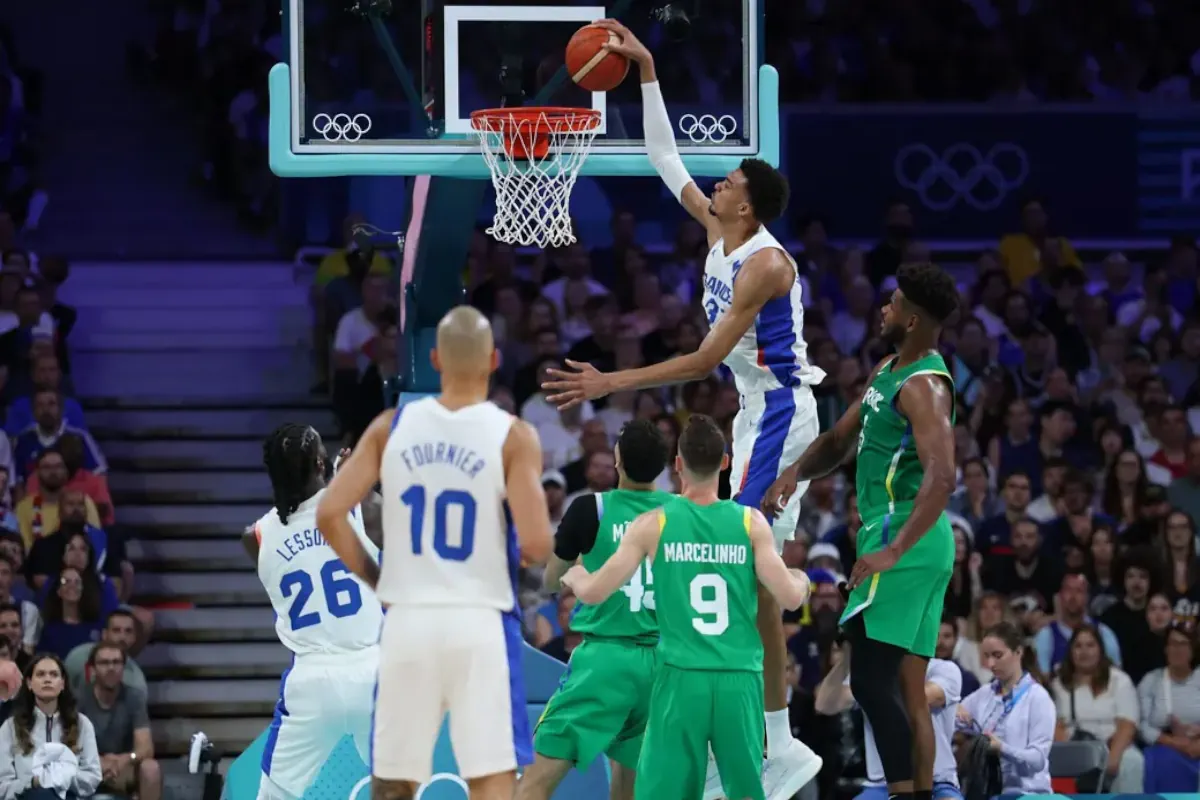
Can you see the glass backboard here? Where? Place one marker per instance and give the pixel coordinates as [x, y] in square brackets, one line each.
[393, 90]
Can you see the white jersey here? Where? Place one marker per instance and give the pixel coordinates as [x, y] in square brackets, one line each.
[773, 353]
[320, 606]
[447, 534]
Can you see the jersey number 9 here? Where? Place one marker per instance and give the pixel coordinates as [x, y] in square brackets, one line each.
[343, 597]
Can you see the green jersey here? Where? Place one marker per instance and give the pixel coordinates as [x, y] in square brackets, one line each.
[628, 614]
[888, 469]
[706, 589]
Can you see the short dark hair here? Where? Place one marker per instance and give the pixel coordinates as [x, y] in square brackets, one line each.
[1014, 473]
[643, 450]
[14, 608]
[121, 612]
[1052, 407]
[767, 188]
[702, 445]
[103, 645]
[49, 451]
[928, 287]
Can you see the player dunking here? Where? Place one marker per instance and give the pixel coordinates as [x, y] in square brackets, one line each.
[603, 701]
[451, 640]
[903, 430]
[708, 556]
[323, 614]
[753, 302]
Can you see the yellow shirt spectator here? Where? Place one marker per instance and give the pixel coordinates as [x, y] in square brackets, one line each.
[334, 266]
[1025, 254]
[38, 516]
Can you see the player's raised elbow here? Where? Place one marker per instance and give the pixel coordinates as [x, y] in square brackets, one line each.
[942, 479]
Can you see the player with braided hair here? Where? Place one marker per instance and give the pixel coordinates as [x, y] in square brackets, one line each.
[322, 614]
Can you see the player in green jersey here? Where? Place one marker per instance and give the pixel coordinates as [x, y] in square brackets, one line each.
[603, 700]
[708, 557]
[902, 431]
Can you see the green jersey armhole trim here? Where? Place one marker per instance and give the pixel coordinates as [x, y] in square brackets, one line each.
[747, 519]
[941, 373]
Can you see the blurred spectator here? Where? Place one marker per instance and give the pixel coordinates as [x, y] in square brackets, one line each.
[993, 537]
[600, 473]
[1181, 569]
[1140, 648]
[1028, 572]
[72, 613]
[46, 377]
[29, 619]
[593, 439]
[122, 721]
[1184, 492]
[1097, 701]
[48, 552]
[1033, 251]
[45, 433]
[947, 643]
[120, 630]
[1170, 716]
[975, 499]
[38, 514]
[80, 479]
[990, 610]
[1053, 641]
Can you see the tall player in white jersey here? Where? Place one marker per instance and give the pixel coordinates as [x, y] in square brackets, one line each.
[752, 298]
[453, 469]
[323, 614]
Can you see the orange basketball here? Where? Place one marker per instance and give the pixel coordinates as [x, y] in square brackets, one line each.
[590, 65]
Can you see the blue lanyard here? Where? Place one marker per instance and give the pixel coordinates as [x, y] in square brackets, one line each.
[1010, 702]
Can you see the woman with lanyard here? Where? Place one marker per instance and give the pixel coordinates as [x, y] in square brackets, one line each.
[1014, 712]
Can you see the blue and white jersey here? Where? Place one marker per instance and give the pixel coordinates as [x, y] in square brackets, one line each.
[773, 354]
[320, 606]
[446, 527]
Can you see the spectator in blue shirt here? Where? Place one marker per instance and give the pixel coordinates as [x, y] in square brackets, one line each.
[994, 537]
[49, 425]
[72, 613]
[46, 375]
[1053, 642]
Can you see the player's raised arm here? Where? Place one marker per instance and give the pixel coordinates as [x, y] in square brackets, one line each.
[660, 137]
[765, 275]
[788, 586]
[639, 543]
[526, 498]
[351, 484]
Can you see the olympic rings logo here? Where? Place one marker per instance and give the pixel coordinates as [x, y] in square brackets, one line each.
[963, 170]
[707, 127]
[439, 777]
[342, 127]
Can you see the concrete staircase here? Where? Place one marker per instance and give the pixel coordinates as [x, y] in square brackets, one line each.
[183, 369]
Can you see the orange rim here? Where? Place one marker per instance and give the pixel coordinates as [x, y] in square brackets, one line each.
[542, 118]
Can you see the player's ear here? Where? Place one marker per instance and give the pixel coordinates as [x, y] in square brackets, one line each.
[724, 462]
[679, 464]
[433, 358]
[494, 361]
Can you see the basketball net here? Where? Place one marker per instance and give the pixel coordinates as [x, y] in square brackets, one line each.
[534, 156]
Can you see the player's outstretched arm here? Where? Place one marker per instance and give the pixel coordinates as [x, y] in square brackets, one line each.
[526, 498]
[765, 275]
[640, 540]
[788, 586]
[353, 481]
[927, 402]
[660, 137]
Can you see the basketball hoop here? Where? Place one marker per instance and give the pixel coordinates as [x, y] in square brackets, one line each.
[534, 155]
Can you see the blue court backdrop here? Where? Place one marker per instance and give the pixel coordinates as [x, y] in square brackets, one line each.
[965, 170]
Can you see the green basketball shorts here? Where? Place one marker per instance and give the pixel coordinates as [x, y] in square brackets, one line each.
[601, 704]
[903, 606]
[690, 710]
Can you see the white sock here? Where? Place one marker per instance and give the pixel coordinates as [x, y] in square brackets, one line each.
[779, 732]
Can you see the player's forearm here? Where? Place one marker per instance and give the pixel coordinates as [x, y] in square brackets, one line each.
[341, 537]
[827, 452]
[555, 569]
[931, 501]
[691, 367]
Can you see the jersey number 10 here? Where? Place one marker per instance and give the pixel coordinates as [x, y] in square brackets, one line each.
[414, 498]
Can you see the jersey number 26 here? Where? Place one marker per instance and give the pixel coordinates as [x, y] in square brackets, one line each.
[343, 597]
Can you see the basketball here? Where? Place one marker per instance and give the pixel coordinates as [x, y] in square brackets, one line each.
[590, 65]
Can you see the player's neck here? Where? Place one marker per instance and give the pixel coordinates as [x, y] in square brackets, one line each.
[634, 486]
[737, 233]
[913, 350]
[701, 493]
[462, 392]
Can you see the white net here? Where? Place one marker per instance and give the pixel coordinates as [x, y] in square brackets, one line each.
[534, 157]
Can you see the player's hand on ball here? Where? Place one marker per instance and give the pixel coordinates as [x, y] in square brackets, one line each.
[872, 563]
[568, 389]
[10, 680]
[779, 493]
[629, 46]
[574, 577]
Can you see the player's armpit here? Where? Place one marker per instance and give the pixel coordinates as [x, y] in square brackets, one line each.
[526, 498]
[788, 589]
[353, 481]
[928, 403]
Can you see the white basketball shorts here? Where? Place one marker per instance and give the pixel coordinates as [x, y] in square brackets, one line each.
[770, 432]
[322, 697]
[465, 662]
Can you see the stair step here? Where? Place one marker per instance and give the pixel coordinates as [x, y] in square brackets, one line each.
[223, 625]
[199, 487]
[90, 275]
[173, 735]
[203, 588]
[239, 454]
[205, 423]
[249, 322]
[194, 373]
[164, 339]
[233, 519]
[266, 400]
[181, 531]
[245, 697]
[166, 555]
[202, 660]
[218, 301]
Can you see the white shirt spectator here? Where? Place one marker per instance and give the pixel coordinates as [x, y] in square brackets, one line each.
[1098, 714]
[554, 290]
[353, 333]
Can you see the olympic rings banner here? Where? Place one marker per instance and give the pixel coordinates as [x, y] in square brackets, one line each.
[965, 171]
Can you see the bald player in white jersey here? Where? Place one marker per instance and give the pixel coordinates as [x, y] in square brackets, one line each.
[456, 473]
[752, 296]
[326, 616]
